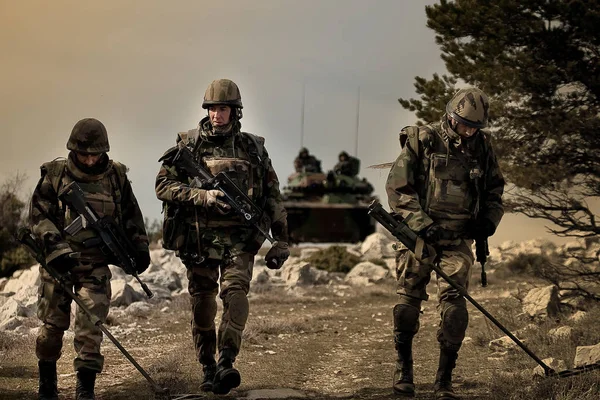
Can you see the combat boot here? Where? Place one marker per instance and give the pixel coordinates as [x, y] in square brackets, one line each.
[226, 377]
[443, 379]
[86, 379]
[48, 389]
[403, 374]
[209, 377]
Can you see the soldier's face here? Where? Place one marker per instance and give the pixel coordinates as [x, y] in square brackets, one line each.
[219, 115]
[464, 130]
[88, 159]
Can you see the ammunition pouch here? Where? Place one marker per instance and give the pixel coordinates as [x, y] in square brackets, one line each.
[175, 229]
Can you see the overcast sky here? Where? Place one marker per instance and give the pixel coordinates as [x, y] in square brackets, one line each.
[141, 67]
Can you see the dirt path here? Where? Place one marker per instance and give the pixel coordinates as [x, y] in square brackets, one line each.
[324, 344]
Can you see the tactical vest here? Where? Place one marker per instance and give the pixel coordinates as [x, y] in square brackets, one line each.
[448, 181]
[244, 163]
[103, 196]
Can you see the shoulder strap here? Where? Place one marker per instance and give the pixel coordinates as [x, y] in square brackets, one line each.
[259, 147]
[117, 181]
[55, 170]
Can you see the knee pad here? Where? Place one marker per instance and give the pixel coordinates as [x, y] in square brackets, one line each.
[406, 321]
[455, 319]
[238, 308]
[48, 345]
[204, 311]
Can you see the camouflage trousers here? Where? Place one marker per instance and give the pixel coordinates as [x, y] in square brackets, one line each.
[233, 273]
[92, 284]
[412, 280]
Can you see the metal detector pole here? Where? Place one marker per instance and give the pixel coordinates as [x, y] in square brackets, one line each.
[28, 241]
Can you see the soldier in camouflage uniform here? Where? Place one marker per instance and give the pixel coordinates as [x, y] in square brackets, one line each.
[347, 165]
[215, 244]
[447, 183]
[108, 191]
[306, 162]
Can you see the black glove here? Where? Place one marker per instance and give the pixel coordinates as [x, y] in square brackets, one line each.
[277, 255]
[64, 263]
[433, 233]
[482, 229]
[142, 261]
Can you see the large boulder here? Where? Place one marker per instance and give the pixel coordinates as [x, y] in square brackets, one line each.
[123, 294]
[23, 278]
[303, 274]
[541, 302]
[367, 272]
[11, 313]
[377, 246]
[586, 355]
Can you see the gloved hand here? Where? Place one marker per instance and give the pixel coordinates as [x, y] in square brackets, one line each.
[64, 263]
[142, 261]
[211, 200]
[277, 255]
[481, 229]
[432, 233]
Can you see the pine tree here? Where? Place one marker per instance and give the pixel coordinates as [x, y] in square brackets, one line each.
[539, 61]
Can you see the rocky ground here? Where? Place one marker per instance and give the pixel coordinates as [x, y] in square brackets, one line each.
[317, 334]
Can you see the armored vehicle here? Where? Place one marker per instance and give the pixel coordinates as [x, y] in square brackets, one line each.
[328, 207]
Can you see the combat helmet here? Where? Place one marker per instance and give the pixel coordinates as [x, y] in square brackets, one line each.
[470, 107]
[222, 91]
[89, 136]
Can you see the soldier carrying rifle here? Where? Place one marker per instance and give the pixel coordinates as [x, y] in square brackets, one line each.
[79, 255]
[447, 186]
[216, 236]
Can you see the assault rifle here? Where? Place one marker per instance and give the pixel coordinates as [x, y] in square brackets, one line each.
[110, 234]
[25, 237]
[238, 200]
[427, 254]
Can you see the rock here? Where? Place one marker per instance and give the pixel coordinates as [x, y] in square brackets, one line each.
[11, 323]
[13, 308]
[302, 274]
[391, 265]
[556, 364]
[541, 302]
[3, 282]
[574, 246]
[586, 355]
[359, 281]
[366, 269]
[139, 309]
[377, 246]
[578, 316]
[503, 344]
[23, 278]
[563, 332]
[162, 277]
[306, 253]
[123, 294]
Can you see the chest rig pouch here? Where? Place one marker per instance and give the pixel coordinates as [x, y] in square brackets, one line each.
[102, 195]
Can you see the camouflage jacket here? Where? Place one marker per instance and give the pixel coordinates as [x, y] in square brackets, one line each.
[108, 192]
[440, 177]
[246, 161]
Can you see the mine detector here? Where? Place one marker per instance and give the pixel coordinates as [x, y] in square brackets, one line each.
[428, 254]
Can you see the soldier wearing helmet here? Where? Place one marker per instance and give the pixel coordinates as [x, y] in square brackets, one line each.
[447, 184]
[108, 191]
[306, 162]
[347, 165]
[216, 246]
